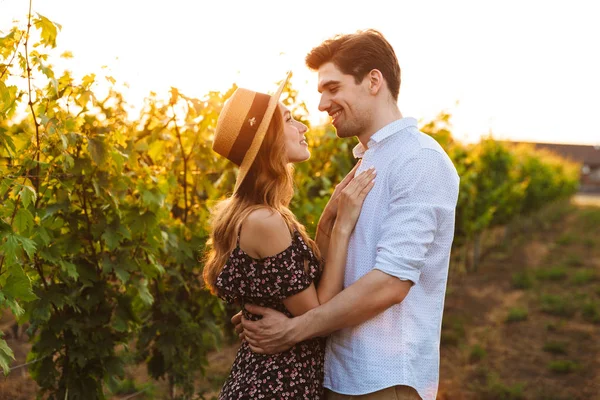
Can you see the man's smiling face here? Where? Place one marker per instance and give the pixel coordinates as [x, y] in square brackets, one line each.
[346, 102]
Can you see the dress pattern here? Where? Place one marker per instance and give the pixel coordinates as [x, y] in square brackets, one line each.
[296, 373]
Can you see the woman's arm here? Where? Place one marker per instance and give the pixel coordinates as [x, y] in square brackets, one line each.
[327, 219]
[332, 279]
[324, 231]
[265, 233]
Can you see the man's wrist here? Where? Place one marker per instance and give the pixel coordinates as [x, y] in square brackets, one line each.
[301, 328]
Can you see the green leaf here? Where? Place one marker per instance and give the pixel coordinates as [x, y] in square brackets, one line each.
[28, 195]
[124, 231]
[45, 70]
[144, 293]
[69, 161]
[159, 268]
[119, 324]
[41, 312]
[18, 285]
[4, 228]
[6, 355]
[97, 150]
[122, 274]
[69, 268]
[23, 220]
[153, 197]
[8, 144]
[11, 246]
[87, 80]
[15, 307]
[6, 44]
[111, 238]
[44, 235]
[83, 98]
[48, 30]
[8, 97]
[28, 245]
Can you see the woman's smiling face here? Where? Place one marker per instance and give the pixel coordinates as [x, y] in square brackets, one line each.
[295, 140]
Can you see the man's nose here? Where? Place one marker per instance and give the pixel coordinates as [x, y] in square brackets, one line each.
[324, 103]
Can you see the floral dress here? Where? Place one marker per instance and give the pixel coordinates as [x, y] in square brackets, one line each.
[296, 373]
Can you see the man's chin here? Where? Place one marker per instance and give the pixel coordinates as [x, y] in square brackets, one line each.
[343, 133]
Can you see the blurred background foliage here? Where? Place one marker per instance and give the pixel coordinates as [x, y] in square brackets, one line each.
[104, 216]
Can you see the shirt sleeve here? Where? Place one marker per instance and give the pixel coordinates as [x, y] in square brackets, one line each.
[423, 192]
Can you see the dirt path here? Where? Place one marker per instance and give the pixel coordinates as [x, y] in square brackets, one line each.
[527, 325]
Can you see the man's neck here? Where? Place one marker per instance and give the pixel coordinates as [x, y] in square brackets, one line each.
[383, 116]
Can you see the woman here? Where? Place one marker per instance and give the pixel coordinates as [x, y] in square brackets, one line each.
[259, 253]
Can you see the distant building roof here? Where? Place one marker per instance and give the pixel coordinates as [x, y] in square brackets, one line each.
[585, 154]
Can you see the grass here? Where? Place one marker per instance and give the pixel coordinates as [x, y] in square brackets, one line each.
[584, 276]
[129, 386]
[477, 353]
[554, 284]
[555, 273]
[557, 305]
[555, 347]
[516, 314]
[590, 243]
[543, 395]
[551, 327]
[590, 219]
[565, 239]
[453, 330]
[501, 391]
[563, 366]
[591, 311]
[574, 260]
[522, 280]
[493, 388]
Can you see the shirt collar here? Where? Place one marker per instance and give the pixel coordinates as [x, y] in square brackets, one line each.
[393, 127]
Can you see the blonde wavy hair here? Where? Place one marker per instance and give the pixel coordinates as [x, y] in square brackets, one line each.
[269, 184]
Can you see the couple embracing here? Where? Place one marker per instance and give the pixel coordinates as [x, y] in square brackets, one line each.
[355, 313]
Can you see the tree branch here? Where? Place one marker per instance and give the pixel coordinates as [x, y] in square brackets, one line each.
[184, 156]
[89, 229]
[37, 125]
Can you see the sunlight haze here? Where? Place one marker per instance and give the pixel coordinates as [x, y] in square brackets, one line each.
[522, 70]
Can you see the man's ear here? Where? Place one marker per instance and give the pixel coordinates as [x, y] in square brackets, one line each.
[376, 81]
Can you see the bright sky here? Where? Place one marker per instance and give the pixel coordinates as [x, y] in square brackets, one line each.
[522, 69]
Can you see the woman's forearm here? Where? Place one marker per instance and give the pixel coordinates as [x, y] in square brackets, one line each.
[332, 279]
[323, 235]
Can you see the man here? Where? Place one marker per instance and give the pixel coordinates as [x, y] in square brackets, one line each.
[385, 325]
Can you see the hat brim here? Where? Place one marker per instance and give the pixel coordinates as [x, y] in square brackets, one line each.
[260, 134]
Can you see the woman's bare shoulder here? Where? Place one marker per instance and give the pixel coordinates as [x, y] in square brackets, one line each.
[264, 233]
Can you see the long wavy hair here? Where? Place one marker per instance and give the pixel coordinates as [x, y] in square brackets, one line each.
[268, 184]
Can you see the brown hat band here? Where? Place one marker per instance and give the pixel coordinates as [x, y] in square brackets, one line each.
[249, 128]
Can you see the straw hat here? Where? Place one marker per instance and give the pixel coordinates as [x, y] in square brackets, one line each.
[242, 126]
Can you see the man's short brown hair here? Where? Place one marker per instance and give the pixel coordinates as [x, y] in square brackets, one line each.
[357, 54]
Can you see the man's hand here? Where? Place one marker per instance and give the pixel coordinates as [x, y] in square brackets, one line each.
[272, 334]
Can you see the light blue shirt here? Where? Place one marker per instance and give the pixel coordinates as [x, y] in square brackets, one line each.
[405, 229]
